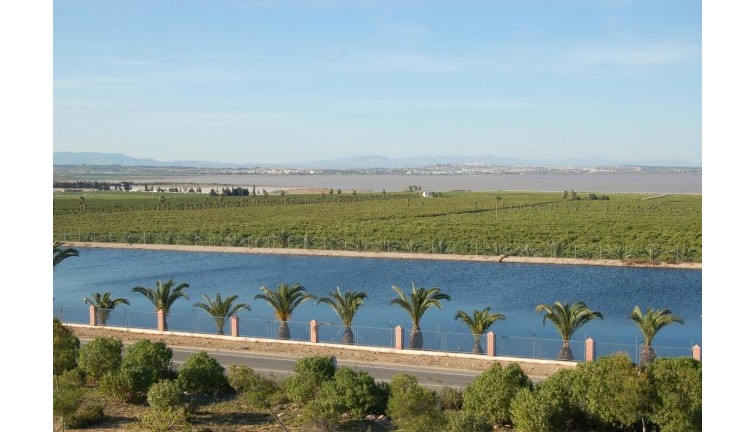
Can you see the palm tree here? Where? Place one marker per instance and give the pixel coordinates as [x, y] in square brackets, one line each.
[479, 323]
[416, 304]
[345, 305]
[220, 310]
[567, 319]
[650, 323]
[59, 253]
[163, 296]
[104, 305]
[283, 301]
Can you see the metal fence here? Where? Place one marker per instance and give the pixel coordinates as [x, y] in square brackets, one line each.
[198, 322]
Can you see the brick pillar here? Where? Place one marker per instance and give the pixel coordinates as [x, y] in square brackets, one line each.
[160, 320]
[399, 337]
[234, 326]
[92, 315]
[697, 352]
[313, 331]
[490, 344]
[590, 350]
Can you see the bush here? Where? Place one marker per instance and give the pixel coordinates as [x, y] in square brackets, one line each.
[358, 393]
[66, 399]
[202, 374]
[461, 421]
[100, 356]
[450, 398]
[242, 378]
[490, 394]
[153, 358]
[65, 348]
[86, 416]
[162, 421]
[73, 377]
[612, 391]
[165, 395]
[310, 373]
[143, 364]
[411, 407]
[120, 386]
[550, 407]
[678, 392]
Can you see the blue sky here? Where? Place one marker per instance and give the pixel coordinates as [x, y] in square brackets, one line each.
[286, 81]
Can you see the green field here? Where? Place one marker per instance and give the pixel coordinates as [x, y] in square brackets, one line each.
[626, 226]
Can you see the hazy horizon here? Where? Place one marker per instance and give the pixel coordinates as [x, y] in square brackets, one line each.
[280, 82]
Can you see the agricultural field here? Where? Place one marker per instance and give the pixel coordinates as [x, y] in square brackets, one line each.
[614, 226]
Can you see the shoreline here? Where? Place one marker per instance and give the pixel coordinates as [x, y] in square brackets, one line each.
[393, 255]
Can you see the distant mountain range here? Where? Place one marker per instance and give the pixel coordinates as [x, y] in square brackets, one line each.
[357, 162]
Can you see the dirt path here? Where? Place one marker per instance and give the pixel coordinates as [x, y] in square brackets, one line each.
[476, 363]
[392, 255]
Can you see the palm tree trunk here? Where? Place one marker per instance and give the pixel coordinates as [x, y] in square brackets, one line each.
[165, 321]
[102, 316]
[566, 352]
[647, 355]
[348, 337]
[283, 331]
[219, 324]
[476, 348]
[416, 338]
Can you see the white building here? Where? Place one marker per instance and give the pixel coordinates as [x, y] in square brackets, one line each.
[427, 194]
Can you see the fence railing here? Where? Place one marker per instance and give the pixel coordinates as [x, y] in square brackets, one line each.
[437, 340]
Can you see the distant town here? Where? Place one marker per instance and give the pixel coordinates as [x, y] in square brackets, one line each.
[62, 172]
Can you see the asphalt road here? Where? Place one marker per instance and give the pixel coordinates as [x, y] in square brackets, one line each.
[283, 365]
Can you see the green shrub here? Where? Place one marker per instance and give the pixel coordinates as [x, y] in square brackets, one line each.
[100, 356]
[162, 421]
[612, 391]
[461, 421]
[152, 357]
[264, 392]
[310, 373]
[165, 395]
[490, 394]
[202, 374]
[550, 407]
[678, 392]
[143, 364]
[73, 377]
[85, 416]
[242, 378]
[66, 399]
[413, 408]
[65, 348]
[119, 386]
[358, 393]
[450, 398]
[324, 411]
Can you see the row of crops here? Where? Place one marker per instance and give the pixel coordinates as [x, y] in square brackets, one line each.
[627, 226]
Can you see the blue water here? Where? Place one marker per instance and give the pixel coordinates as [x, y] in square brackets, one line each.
[512, 289]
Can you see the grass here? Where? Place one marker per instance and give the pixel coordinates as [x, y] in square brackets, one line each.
[627, 226]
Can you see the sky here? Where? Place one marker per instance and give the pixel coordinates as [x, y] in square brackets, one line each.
[256, 81]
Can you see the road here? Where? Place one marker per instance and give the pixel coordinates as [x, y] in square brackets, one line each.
[283, 365]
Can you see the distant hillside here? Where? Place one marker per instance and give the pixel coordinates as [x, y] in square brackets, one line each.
[356, 162]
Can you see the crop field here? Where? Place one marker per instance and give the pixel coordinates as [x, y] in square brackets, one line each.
[624, 226]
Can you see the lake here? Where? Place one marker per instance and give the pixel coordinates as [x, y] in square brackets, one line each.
[511, 289]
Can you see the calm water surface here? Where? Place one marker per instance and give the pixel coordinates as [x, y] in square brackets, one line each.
[512, 289]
